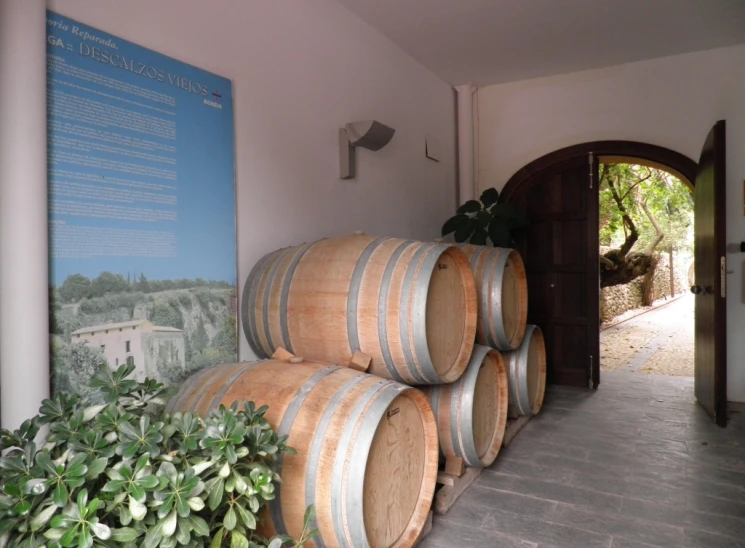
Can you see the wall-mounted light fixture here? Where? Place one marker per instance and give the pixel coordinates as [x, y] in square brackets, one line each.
[368, 134]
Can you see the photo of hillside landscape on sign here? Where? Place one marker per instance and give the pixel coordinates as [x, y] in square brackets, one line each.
[167, 329]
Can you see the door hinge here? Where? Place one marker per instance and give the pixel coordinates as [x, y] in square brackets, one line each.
[592, 166]
[723, 276]
[590, 376]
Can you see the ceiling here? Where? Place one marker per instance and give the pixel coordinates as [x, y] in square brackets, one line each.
[495, 41]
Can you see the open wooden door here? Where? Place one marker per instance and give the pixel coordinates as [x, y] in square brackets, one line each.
[711, 277]
[560, 251]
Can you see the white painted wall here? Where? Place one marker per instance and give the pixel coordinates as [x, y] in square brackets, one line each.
[300, 70]
[24, 281]
[671, 102]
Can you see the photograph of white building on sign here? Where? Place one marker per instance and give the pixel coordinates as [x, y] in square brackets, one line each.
[137, 342]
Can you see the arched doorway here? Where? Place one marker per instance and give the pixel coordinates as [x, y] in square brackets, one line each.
[677, 163]
[559, 194]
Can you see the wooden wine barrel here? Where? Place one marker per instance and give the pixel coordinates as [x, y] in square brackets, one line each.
[409, 305]
[366, 447]
[471, 413]
[526, 370]
[502, 289]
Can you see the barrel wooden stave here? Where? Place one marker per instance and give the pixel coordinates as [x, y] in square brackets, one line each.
[502, 288]
[526, 370]
[409, 305]
[471, 413]
[366, 447]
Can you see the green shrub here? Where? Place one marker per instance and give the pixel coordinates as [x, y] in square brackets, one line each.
[166, 315]
[478, 221]
[123, 474]
[185, 300]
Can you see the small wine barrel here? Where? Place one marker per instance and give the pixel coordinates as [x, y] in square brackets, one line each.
[471, 413]
[526, 369]
[411, 306]
[502, 290]
[366, 447]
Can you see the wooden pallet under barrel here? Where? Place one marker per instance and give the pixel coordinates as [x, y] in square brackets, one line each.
[513, 428]
[456, 478]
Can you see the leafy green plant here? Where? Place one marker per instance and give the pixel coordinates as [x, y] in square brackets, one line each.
[477, 221]
[122, 473]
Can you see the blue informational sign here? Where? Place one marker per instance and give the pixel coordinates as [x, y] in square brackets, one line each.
[141, 209]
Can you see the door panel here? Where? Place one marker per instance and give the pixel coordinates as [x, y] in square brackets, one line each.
[560, 251]
[570, 230]
[570, 296]
[710, 249]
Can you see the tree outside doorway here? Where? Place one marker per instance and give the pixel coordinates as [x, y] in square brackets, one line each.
[646, 258]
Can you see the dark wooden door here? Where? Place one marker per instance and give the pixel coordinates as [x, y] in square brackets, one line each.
[560, 251]
[710, 272]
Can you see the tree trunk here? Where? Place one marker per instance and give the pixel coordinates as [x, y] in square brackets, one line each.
[621, 266]
[648, 283]
[672, 272]
[659, 235]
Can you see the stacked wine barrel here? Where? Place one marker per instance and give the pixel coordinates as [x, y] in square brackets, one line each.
[346, 327]
[502, 324]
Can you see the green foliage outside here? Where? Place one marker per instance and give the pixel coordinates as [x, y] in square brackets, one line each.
[643, 211]
[83, 360]
[165, 314]
[77, 287]
[122, 473]
[667, 199]
[477, 222]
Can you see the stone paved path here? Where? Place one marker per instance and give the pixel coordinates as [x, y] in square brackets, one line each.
[635, 464]
[659, 342]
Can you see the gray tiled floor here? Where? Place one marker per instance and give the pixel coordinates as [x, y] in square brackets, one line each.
[635, 464]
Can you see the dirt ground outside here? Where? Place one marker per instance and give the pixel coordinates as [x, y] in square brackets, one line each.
[659, 341]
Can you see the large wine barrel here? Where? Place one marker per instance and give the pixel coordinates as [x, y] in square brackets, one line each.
[471, 413]
[526, 369]
[502, 289]
[366, 447]
[409, 305]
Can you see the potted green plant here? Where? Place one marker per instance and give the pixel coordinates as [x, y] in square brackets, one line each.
[477, 221]
[121, 473]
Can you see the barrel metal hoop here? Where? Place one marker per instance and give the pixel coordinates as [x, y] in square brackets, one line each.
[224, 390]
[524, 395]
[319, 437]
[511, 358]
[495, 298]
[354, 293]
[483, 305]
[434, 400]
[354, 504]
[474, 260]
[340, 461]
[207, 378]
[267, 293]
[485, 294]
[468, 441]
[284, 296]
[187, 391]
[455, 389]
[419, 312]
[285, 425]
[178, 400]
[385, 286]
[249, 305]
[403, 313]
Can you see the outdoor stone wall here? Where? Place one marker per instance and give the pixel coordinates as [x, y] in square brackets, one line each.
[618, 299]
